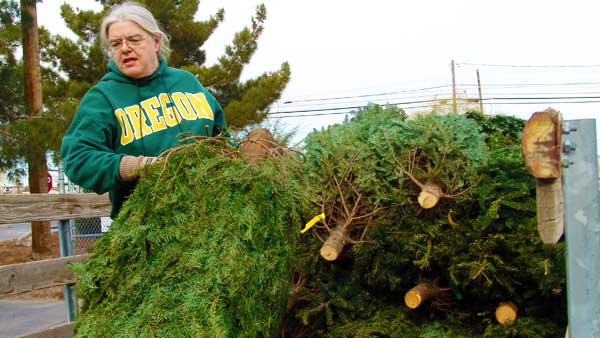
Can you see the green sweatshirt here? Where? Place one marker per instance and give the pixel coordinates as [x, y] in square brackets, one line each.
[124, 116]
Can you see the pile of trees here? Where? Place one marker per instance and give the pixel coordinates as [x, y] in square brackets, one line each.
[434, 224]
[421, 227]
[227, 243]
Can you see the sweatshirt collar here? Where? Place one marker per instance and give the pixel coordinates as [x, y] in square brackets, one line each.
[116, 74]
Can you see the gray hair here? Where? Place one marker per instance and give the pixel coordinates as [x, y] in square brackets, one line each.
[133, 11]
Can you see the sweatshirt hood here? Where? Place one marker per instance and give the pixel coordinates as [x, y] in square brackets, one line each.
[115, 74]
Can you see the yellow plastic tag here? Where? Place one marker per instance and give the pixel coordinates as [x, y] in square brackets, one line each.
[312, 222]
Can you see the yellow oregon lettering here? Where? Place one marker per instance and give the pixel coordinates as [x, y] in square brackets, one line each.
[156, 121]
[168, 112]
[138, 121]
[183, 106]
[201, 106]
[126, 132]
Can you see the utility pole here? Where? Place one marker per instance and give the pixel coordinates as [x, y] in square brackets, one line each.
[454, 107]
[36, 154]
[479, 88]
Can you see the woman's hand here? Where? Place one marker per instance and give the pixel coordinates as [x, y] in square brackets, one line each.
[130, 165]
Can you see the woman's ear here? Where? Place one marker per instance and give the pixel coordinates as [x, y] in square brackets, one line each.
[157, 40]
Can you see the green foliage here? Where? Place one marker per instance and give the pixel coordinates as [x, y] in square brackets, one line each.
[479, 244]
[344, 150]
[444, 149]
[23, 138]
[11, 30]
[202, 248]
[197, 254]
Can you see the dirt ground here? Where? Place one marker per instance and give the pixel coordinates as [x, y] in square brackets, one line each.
[12, 253]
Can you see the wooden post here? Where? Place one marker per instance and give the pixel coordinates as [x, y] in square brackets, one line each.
[454, 106]
[541, 148]
[480, 97]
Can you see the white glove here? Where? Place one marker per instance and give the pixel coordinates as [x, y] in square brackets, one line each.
[130, 165]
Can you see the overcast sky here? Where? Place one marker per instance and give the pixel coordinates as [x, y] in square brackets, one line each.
[345, 53]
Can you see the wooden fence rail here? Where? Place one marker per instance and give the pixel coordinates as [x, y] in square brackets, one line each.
[50, 207]
[25, 277]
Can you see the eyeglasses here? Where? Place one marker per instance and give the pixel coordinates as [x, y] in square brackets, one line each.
[131, 41]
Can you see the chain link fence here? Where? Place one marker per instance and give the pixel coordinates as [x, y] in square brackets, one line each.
[84, 232]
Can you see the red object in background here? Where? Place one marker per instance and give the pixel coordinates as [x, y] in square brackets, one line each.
[49, 182]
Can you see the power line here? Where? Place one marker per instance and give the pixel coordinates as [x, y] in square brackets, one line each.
[365, 95]
[487, 88]
[526, 66]
[517, 85]
[520, 100]
[436, 96]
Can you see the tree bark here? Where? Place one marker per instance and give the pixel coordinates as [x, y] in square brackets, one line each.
[36, 157]
[550, 210]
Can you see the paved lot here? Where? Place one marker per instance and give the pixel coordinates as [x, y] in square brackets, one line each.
[19, 317]
[12, 231]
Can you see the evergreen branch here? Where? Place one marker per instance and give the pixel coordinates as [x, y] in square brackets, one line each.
[325, 219]
[319, 236]
[413, 178]
[364, 232]
[341, 193]
[458, 194]
[369, 214]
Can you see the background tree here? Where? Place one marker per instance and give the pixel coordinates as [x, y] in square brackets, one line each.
[35, 153]
[24, 127]
[83, 61]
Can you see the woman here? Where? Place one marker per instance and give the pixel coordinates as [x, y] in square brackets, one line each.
[137, 110]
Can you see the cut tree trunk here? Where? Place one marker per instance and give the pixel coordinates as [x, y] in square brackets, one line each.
[419, 294]
[430, 195]
[260, 143]
[541, 144]
[506, 312]
[334, 244]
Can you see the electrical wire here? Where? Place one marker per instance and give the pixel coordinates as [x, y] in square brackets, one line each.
[405, 105]
[525, 66]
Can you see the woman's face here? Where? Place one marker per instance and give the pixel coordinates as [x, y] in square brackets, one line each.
[133, 49]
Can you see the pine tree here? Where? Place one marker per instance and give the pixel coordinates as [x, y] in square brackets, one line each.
[18, 132]
[24, 127]
[244, 103]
